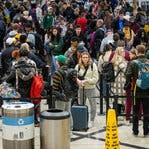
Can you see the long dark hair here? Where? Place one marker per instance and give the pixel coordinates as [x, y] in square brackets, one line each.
[58, 36]
[107, 47]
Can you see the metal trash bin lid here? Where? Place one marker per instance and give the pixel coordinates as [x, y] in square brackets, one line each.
[54, 114]
[17, 105]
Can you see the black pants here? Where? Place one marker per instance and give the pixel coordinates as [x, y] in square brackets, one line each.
[136, 109]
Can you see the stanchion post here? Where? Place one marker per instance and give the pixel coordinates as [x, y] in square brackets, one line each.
[101, 94]
[107, 97]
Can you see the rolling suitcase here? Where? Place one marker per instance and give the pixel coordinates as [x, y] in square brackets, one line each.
[80, 116]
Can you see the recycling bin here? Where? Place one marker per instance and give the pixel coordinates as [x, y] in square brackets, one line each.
[18, 125]
[55, 129]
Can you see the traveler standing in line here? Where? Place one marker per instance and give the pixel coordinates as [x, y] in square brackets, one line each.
[141, 94]
[57, 89]
[87, 79]
[59, 98]
[102, 59]
[129, 87]
[119, 61]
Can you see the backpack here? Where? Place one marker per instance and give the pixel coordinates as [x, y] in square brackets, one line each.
[143, 75]
[92, 42]
[36, 88]
[108, 73]
[25, 70]
[69, 84]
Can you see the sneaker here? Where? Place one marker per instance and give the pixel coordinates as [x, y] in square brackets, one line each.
[120, 118]
[135, 134]
[127, 123]
[36, 125]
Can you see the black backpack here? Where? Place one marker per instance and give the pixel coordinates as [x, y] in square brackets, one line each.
[70, 86]
[108, 72]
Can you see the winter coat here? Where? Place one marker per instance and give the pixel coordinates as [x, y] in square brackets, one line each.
[48, 21]
[91, 76]
[132, 72]
[56, 45]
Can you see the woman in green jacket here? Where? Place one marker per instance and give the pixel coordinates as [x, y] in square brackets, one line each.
[56, 43]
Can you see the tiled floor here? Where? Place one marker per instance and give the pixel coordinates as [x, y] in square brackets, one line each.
[94, 138]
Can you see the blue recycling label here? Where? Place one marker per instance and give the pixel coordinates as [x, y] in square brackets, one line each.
[13, 121]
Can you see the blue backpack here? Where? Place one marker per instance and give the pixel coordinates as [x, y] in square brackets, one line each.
[143, 75]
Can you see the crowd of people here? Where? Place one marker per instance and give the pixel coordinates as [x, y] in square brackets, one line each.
[54, 35]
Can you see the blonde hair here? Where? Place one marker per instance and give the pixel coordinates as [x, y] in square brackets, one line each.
[80, 60]
[118, 57]
[25, 46]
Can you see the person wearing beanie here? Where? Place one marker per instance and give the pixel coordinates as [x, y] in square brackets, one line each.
[59, 98]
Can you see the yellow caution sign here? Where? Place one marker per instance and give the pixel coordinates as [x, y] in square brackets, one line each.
[112, 140]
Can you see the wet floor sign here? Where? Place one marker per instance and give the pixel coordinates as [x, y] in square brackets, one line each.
[112, 140]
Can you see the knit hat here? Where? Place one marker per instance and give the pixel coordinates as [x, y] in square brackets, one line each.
[61, 59]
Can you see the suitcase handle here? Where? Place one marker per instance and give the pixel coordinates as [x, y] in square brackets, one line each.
[83, 95]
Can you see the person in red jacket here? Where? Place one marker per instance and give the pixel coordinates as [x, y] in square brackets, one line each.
[82, 21]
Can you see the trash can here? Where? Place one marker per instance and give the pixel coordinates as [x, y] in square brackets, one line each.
[55, 129]
[18, 125]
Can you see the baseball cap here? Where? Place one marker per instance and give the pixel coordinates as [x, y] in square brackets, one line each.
[61, 59]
